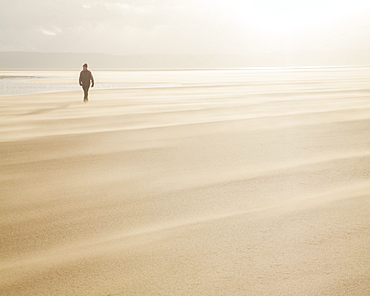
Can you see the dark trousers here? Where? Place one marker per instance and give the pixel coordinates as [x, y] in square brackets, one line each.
[86, 92]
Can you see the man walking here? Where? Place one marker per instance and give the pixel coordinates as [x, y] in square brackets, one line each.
[85, 78]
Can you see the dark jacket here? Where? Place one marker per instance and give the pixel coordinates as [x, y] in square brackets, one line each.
[85, 78]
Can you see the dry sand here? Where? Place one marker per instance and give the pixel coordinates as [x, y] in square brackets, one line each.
[232, 188]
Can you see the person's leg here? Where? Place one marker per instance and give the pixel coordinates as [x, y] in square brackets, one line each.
[83, 88]
[86, 93]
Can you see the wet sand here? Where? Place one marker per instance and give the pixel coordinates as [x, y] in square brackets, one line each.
[202, 189]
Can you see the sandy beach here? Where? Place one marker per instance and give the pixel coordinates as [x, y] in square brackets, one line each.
[228, 182]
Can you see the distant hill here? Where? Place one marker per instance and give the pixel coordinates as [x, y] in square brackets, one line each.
[64, 61]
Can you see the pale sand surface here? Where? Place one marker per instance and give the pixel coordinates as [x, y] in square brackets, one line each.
[230, 185]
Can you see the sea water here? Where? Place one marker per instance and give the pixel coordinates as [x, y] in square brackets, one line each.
[258, 80]
[34, 82]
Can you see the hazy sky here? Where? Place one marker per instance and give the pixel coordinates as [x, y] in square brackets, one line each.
[183, 26]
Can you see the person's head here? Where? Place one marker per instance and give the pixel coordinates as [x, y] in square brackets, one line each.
[84, 66]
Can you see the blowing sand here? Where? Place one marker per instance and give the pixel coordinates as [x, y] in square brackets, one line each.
[237, 184]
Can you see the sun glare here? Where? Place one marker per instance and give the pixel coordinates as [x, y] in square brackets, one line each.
[280, 18]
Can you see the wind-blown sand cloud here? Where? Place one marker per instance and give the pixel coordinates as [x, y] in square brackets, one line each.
[226, 182]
